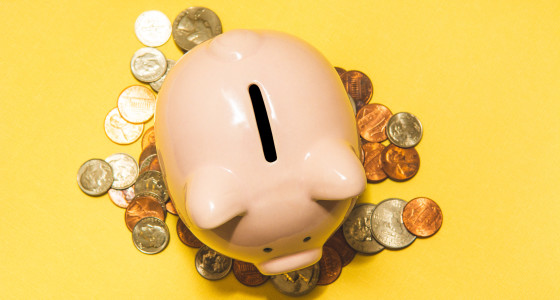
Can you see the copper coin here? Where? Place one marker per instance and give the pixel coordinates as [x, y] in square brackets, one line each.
[119, 130]
[422, 217]
[330, 266]
[141, 207]
[149, 137]
[372, 120]
[170, 207]
[150, 163]
[372, 162]
[400, 163]
[340, 245]
[186, 236]
[340, 70]
[359, 86]
[122, 198]
[137, 104]
[248, 274]
[148, 151]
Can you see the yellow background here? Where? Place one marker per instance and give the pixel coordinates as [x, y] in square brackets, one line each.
[482, 76]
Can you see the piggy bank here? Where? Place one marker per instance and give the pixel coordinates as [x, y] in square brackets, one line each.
[258, 145]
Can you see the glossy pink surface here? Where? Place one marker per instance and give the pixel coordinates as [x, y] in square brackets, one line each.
[212, 158]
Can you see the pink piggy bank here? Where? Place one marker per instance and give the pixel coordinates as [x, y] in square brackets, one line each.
[258, 146]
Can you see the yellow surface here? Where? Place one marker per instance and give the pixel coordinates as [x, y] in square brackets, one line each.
[483, 77]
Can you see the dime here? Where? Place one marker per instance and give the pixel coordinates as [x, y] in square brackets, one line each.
[339, 70]
[170, 207]
[150, 235]
[148, 64]
[330, 266]
[186, 236]
[195, 25]
[136, 104]
[150, 163]
[147, 152]
[387, 224]
[95, 177]
[125, 170]
[400, 163]
[152, 28]
[248, 274]
[357, 230]
[297, 283]
[212, 265]
[119, 130]
[338, 243]
[156, 85]
[141, 207]
[151, 183]
[149, 138]
[358, 85]
[404, 130]
[121, 198]
[422, 217]
[372, 120]
[372, 162]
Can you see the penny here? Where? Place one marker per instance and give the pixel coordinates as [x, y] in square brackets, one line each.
[404, 130]
[387, 224]
[357, 230]
[152, 28]
[141, 207]
[339, 70]
[95, 177]
[147, 152]
[297, 283]
[248, 274]
[372, 120]
[156, 85]
[170, 207]
[195, 25]
[330, 266]
[372, 162]
[359, 86]
[151, 183]
[148, 64]
[150, 235]
[400, 163]
[136, 104]
[339, 243]
[422, 217]
[125, 170]
[211, 264]
[121, 198]
[186, 236]
[119, 130]
[149, 138]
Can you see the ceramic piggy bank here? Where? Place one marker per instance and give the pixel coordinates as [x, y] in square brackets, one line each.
[258, 146]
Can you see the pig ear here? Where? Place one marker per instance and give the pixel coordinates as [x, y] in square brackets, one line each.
[213, 197]
[333, 171]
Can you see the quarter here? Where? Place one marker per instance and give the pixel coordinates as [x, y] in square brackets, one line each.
[404, 130]
[195, 25]
[387, 224]
[357, 230]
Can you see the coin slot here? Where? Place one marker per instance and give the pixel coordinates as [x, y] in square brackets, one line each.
[263, 124]
[267, 250]
[306, 239]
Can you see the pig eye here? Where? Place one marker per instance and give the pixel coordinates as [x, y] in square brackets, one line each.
[267, 250]
[263, 124]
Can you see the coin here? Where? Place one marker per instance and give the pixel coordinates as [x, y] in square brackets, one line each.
[121, 198]
[149, 138]
[339, 243]
[359, 86]
[170, 207]
[148, 64]
[136, 104]
[404, 130]
[212, 265]
[357, 230]
[248, 274]
[151, 183]
[95, 177]
[125, 170]
[150, 235]
[150, 163]
[339, 70]
[422, 217]
[195, 25]
[372, 120]
[186, 236]
[147, 152]
[400, 163]
[141, 207]
[152, 28]
[156, 85]
[330, 266]
[372, 162]
[119, 130]
[297, 283]
[387, 224]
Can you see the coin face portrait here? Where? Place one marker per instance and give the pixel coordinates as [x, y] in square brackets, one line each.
[151, 236]
[93, 177]
[147, 64]
[214, 262]
[360, 230]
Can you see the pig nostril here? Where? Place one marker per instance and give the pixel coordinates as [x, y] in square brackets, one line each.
[267, 250]
[307, 239]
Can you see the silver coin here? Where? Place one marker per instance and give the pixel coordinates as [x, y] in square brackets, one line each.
[404, 130]
[95, 177]
[148, 64]
[150, 235]
[151, 183]
[121, 198]
[297, 283]
[125, 170]
[152, 28]
[156, 85]
[146, 162]
[212, 265]
[195, 25]
[387, 224]
[357, 230]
